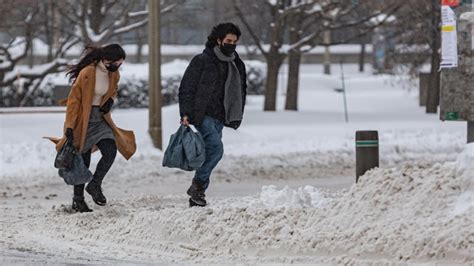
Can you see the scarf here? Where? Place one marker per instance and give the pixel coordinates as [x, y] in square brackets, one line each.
[233, 89]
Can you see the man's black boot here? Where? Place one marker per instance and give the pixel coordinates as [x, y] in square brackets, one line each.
[95, 190]
[196, 192]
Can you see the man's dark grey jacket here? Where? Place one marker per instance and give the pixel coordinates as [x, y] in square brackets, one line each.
[202, 87]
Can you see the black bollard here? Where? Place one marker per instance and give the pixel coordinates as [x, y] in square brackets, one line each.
[367, 152]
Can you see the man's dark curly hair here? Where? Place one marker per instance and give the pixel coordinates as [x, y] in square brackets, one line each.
[220, 31]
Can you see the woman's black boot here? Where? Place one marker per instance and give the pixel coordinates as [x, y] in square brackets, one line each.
[95, 190]
[80, 205]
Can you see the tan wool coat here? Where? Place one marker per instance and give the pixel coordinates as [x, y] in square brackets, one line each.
[79, 105]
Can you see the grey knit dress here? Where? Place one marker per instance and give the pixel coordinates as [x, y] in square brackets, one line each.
[97, 129]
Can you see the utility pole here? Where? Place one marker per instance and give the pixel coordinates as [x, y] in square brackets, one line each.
[434, 81]
[457, 75]
[154, 73]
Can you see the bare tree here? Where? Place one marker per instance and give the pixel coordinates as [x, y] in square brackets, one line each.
[26, 80]
[63, 24]
[281, 11]
[307, 21]
[418, 29]
[329, 18]
[98, 21]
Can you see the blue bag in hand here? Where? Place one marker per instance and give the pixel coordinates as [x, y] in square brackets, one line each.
[78, 174]
[186, 150]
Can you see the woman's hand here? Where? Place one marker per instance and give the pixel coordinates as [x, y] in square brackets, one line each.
[69, 134]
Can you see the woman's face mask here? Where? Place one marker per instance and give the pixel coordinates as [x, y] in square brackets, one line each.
[112, 66]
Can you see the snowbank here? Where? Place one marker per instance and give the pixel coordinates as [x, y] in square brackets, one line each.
[397, 214]
[465, 170]
[307, 196]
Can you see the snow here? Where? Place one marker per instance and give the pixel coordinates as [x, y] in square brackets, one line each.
[382, 18]
[140, 71]
[465, 169]
[40, 48]
[95, 38]
[284, 192]
[272, 2]
[469, 16]
[307, 196]
[131, 26]
[297, 44]
[315, 8]
[23, 70]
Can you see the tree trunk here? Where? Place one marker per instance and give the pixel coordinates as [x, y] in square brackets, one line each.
[273, 67]
[139, 46]
[294, 61]
[31, 55]
[327, 53]
[56, 25]
[362, 57]
[49, 28]
[96, 15]
[434, 87]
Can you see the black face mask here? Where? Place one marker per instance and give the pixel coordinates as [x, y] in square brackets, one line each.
[228, 49]
[112, 67]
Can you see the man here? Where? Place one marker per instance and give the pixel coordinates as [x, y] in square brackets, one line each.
[212, 95]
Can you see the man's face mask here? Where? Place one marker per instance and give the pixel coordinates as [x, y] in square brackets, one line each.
[228, 49]
[111, 67]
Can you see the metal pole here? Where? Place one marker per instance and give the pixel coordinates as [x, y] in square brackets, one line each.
[154, 73]
[367, 152]
[346, 113]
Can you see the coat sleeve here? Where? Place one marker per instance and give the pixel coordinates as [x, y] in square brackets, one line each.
[74, 102]
[188, 86]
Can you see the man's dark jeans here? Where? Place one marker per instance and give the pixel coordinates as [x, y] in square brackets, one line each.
[211, 131]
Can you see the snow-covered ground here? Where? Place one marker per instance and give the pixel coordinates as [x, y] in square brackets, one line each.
[283, 193]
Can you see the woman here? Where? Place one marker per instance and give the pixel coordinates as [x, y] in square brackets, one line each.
[88, 122]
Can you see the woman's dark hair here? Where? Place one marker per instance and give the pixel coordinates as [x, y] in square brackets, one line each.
[220, 31]
[92, 54]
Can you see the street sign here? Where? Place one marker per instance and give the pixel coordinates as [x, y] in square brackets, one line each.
[452, 3]
[449, 42]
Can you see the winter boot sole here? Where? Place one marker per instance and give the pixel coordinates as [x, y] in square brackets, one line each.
[194, 204]
[75, 208]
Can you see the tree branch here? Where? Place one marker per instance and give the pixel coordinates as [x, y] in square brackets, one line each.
[254, 36]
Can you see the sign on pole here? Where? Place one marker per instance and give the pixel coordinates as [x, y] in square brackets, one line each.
[449, 40]
[457, 90]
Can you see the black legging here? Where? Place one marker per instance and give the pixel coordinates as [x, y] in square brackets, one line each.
[109, 150]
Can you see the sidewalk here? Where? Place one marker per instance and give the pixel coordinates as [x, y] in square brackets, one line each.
[35, 110]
